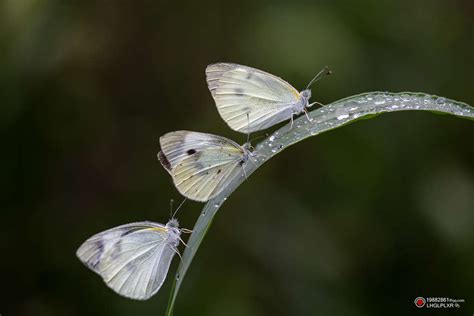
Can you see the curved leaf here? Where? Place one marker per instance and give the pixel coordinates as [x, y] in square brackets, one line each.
[328, 117]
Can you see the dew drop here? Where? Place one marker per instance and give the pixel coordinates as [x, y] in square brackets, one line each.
[178, 276]
[343, 116]
[440, 101]
[272, 138]
[216, 205]
[394, 106]
[352, 104]
[274, 150]
[405, 97]
[379, 100]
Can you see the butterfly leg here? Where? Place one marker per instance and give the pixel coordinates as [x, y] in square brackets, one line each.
[182, 241]
[251, 160]
[245, 173]
[264, 156]
[313, 103]
[291, 125]
[177, 252]
[307, 116]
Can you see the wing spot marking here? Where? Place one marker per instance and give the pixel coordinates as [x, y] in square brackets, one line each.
[164, 161]
[239, 92]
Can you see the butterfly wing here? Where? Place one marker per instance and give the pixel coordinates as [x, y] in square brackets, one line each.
[240, 90]
[132, 259]
[200, 164]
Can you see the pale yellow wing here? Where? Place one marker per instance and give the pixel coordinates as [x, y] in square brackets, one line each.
[249, 99]
[200, 164]
[132, 259]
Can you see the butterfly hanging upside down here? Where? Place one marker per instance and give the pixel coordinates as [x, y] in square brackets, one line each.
[201, 164]
[250, 100]
[133, 259]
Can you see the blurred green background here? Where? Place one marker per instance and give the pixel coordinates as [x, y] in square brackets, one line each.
[357, 221]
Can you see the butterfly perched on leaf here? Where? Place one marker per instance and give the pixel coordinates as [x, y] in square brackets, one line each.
[133, 259]
[202, 165]
[250, 100]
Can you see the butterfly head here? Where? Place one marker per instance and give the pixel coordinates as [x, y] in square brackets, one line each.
[172, 223]
[248, 151]
[305, 96]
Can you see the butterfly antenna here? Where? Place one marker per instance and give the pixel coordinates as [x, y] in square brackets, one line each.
[178, 208]
[324, 72]
[248, 128]
[171, 207]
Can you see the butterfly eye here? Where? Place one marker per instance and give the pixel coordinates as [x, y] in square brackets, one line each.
[306, 94]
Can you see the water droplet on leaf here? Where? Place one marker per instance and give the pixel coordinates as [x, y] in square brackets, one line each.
[343, 116]
[379, 100]
[440, 101]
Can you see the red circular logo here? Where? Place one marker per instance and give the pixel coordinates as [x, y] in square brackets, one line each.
[420, 302]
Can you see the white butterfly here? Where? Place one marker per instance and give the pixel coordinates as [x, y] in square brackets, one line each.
[133, 259]
[250, 100]
[201, 165]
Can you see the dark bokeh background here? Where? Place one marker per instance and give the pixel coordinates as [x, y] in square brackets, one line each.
[357, 221]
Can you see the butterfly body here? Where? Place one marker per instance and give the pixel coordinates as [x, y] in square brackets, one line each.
[303, 102]
[249, 99]
[174, 232]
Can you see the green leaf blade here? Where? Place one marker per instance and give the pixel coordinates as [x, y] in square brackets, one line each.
[331, 116]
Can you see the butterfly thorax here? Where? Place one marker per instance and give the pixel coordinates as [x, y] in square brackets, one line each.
[248, 152]
[302, 103]
[173, 231]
